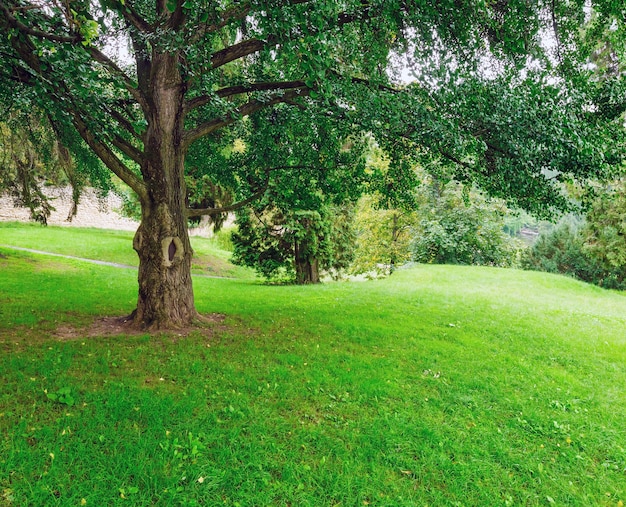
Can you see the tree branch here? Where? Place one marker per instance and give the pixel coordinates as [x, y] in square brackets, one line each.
[233, 14]
[251, 46]
[127, 149]
[175, 19]
[193, 213]
[114, 69]
[142, 62]
[245, 110]
[13, 22]
[133, 17]
[245, 88]
[236, 51]
[24, 8]
[123, 122]
[368, 83]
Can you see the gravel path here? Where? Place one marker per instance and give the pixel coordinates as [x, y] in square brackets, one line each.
[101, 263]
[93, 261]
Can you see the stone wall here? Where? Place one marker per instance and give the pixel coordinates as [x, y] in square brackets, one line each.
[92, 210]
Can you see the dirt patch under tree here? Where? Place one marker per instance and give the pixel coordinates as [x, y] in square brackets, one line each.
[116, 326]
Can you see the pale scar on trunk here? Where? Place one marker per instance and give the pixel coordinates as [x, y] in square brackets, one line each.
[173, 250]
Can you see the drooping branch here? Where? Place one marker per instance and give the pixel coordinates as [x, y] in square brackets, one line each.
[245, 88]
[24, 48]
[11, 21]
[194, 213]
[245, 110]
[110, 159]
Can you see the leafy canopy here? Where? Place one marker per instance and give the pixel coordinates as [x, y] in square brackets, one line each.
[500, 96]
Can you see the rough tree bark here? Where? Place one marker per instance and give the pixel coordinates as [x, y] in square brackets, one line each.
[162, 241]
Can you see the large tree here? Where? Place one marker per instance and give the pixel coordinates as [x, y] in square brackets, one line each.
[482, 100]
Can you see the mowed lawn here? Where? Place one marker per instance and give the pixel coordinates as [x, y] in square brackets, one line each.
[441, 385]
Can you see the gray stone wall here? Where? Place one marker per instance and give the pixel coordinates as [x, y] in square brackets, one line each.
[92, 210]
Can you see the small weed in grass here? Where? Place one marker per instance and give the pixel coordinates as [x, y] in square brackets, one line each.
[63, 396]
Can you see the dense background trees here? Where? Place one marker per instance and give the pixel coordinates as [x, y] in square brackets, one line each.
[591, 248]
[462, 227]
[383, 236]
[501, 97]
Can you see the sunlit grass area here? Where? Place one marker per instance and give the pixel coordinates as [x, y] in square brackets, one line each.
[440, 385]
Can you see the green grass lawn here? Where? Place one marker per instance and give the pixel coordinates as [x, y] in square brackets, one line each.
[112, 246]
[438, 386]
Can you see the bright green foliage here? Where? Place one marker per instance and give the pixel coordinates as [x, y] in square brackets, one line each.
[63, 396]
[605, 231]
[462, 229]
[343, 241]
[383, 237]
[309, 170]
[593, 251]
[481, 102]
[449, 226]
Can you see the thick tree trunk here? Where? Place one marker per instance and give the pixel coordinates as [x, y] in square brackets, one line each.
[307, 272]
[166, 298]
[307, 268]
[165, 289]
